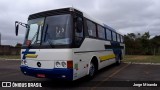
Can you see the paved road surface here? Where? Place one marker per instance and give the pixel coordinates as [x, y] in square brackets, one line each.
[9, 71]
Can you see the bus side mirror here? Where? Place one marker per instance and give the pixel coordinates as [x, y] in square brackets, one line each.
[16, 28]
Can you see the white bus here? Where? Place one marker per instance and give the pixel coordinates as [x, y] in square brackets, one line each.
[67, 44]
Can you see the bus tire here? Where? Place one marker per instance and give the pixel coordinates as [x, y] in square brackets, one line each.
[92, 70]
[118, 60]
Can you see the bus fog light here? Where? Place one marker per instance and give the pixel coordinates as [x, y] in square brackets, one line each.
[23, 62]
[63, 76]
[24, 72]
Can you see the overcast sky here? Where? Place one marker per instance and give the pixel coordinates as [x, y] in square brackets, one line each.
[125, 16]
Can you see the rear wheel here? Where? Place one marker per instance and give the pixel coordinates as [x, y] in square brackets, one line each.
[118, 60]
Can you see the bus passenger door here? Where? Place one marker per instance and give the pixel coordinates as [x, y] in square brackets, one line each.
[78, 40]
[79, 31]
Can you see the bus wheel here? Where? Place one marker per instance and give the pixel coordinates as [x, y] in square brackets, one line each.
[92, 70]
[118, 60]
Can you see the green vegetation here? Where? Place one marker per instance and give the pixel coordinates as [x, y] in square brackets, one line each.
[2, 57]
[142, 59]
[142, 44]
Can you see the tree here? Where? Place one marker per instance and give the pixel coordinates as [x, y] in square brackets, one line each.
[19, 45]
[155, 43]
[141, 44]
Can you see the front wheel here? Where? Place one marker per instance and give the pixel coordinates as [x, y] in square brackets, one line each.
[92, 70]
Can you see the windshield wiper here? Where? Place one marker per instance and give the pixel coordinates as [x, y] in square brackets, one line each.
[34, 37]
[46, 34]
[38, 31]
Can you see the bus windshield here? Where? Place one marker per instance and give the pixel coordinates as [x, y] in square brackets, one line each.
[34, 30]
[51, 31]
[57, 30]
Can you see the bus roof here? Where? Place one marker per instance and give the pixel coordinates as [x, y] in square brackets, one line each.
[98, 22]
[94, 20]
[49, 12]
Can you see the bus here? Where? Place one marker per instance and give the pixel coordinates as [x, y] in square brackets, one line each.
[68, 44]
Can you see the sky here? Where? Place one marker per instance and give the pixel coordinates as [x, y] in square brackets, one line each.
[126, 16]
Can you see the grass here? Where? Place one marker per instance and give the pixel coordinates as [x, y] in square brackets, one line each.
[141, 59]
[2, 57]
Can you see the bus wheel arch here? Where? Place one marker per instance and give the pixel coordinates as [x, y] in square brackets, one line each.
[93, 64]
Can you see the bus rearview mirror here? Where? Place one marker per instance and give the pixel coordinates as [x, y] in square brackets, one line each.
[17, 27]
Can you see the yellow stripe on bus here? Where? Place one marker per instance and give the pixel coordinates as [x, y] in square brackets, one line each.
[107, 57]
[31, 56]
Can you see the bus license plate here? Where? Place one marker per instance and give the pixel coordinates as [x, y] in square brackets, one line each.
[41, 75]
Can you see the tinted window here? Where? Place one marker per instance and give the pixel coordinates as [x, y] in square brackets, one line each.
[108, 33]
[118, 38]
[101, 32]
[91, 28]
[78, 31]
[114, 36]
[58, 30]
[121, 38]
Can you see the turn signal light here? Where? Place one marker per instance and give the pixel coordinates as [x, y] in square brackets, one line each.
[69, 64]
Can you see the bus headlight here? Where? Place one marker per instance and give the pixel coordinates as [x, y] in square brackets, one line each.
[64, 64]
[60, 64]
[23, 62]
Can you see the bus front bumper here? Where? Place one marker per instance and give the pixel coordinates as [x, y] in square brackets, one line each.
[56, 73]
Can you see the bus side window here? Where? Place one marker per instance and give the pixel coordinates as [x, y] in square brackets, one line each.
[79, 33]
[118, 38]
[108, 34]
[114, 36]
[101, 32]
[91, 28]
[122, 39]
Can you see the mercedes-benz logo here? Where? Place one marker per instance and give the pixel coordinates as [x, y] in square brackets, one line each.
[38, 64]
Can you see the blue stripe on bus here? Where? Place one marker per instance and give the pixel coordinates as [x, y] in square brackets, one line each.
[27, 52]
[55, 73]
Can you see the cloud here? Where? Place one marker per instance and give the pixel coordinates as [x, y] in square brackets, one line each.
[123, 15]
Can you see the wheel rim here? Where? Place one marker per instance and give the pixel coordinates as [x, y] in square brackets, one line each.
[92, 69]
